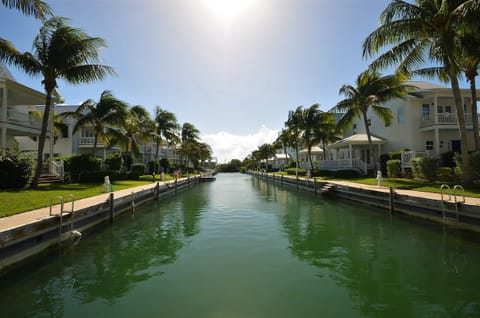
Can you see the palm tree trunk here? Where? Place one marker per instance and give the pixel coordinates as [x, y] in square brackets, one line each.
[310, 158]
[95, 140]
[370, 144]
[466, 169]
[41, 140]
[473, 90]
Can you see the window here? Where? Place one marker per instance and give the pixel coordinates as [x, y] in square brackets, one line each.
[429, 145]
[425, 112]
[448, 109]
[439, 109]
[401, 115]
[64, 132]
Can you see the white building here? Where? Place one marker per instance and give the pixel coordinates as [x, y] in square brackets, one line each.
[425, 124]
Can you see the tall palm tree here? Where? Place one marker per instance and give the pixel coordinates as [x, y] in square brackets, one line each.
[59, 52]
[310, 122]
[190, 138]
[134, 130]
[284, 140]
[370, 92]
[105, 117]
[327, 131]
[294, 125]
[427, 31]
[266, 151]
[37, 8]
[166, 127]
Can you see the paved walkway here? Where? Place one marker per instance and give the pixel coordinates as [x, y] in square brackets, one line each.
[16, 220]
[43, 213]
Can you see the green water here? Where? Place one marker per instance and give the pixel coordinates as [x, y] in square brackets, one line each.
[240, 247]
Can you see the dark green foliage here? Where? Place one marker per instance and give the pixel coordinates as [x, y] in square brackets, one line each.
[77, 164]
[114, 161]
[153, 167]
[15, 169]
[99, 175]
[233, 166]
[140, 168]
[475, 164]
[164, 164]
[424, 168]
[392, 155]
[394, 168]
[448, 159]
[292, 171]
[445, 174]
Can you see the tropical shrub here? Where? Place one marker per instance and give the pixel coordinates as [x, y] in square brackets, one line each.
[165, 164]
[292, 171]
[98, 176]
[15, 169]
[448, 159]
[140, 168]
[114, 161]
[394, 168]
[445, 174]
[77, 164]
[424, 168]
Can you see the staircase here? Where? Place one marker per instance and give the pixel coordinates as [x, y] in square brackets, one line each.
[48, 178]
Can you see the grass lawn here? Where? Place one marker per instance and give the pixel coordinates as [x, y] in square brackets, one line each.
[17, 201]
[418, 185]
[410, 184]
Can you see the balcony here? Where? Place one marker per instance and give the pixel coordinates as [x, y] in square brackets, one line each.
[445, 119]
[23, 119]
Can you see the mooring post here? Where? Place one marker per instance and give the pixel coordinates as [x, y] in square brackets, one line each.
[392, 199]
[110, 202]
[157, 190]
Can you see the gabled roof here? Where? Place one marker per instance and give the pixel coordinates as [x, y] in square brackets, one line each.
[314, 150]
[5, 73]
[357, 139]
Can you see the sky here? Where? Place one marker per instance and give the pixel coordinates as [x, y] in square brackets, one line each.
[232, 68]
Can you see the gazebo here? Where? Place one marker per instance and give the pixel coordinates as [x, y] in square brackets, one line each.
[353, 153]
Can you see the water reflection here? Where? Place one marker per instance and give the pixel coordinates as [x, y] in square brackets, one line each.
[391, 267]
[107, 263]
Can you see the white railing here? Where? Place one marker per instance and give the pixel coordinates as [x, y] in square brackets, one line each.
[446, 118]
[341, 164]
[23, 119]
[57, 168]
[87, 141]
[408, 155]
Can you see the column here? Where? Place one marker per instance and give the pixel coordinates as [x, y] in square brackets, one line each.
[4, 117]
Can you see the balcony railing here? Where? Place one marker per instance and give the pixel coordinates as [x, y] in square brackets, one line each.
[446, 119]
[408, 155]
[23, 119]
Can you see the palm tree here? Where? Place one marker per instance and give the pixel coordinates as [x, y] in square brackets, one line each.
[426, 31]
[105, 117]
[59, 52]
[327, 131]
[310, 123]
[293, 124]
[134, 131]
[166, 127]
[190, 138]
[370, 92]
[39, 9]
[266, 151]
[285, 139]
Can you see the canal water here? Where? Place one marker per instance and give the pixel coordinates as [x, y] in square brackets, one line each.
[241, 247]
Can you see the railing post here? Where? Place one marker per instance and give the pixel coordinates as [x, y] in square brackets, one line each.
[111, 207]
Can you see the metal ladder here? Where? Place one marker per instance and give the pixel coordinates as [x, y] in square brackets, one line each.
[456, 200]
[72, 234]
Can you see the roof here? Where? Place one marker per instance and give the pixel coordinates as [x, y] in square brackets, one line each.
[421, 85]
[314, 150]
[5, 73]
[357, 139]
[279, 156]
[60, 109]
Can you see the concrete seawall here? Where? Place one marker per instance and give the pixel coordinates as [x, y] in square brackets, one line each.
[30, 233]
[449, 209]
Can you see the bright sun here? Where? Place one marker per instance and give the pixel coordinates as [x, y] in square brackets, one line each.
[228, 9]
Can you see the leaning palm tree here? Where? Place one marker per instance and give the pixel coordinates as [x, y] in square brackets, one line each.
[294, 125]
[37, 8]
[166, 128]
[105, 117]
[413, 35]
[133, 131]
[190, 137]
[284, 140]
[370, 92]
[59, 52]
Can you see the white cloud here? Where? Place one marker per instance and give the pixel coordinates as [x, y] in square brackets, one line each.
[226, 146]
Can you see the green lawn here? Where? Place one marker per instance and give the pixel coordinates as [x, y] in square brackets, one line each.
[17, 201]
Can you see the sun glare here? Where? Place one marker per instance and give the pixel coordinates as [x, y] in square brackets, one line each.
[228, 9]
